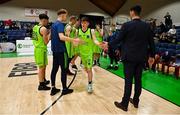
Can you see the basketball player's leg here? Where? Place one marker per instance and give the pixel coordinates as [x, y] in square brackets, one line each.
[45, 80]
[73, 62]
[41, 76]
[90, 77]
[41, 62]
[87, 61]
[97, 57]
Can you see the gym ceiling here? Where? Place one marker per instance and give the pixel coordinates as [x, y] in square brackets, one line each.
[106, 5]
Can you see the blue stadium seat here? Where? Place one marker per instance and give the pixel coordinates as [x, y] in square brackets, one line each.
[177, 47]
[172, 52]
[177, 52]
[172, 46]
[162, 50]
[164, 45]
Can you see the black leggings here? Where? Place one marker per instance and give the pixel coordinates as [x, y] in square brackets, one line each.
[59, 59]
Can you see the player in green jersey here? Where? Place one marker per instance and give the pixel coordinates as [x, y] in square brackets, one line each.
[41, 38]
[86, 49]
[71, 32]
[97, 49]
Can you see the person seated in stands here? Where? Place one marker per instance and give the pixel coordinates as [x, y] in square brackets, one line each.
[172, 31]
[153, 25]
[163, 37]
[155, 66]
[172, 34]
[162, 27]
[166, 60]
[14, 26]
[1, 25]
[8, 24]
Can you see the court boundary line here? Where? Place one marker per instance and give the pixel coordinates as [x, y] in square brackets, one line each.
[44, 111]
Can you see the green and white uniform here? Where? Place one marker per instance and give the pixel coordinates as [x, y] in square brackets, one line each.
[71, 50]
[99, 38]
[40, 48]
[86, 49]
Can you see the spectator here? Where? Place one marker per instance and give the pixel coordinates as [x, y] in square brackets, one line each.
[172, 31]
[8, 24]
[172, 34]
[162, 27]
[168, 21]
[112, 51]
[163, 37]
[1, 24]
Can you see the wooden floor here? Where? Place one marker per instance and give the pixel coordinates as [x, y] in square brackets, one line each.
[19, 95]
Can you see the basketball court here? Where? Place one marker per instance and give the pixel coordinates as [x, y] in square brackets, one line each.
[19, 94]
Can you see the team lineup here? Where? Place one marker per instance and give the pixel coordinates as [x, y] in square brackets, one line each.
[76, 38]
[68, 43]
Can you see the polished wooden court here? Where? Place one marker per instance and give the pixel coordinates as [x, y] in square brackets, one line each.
[19, 95]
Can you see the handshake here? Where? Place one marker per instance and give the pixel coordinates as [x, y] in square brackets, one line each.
[77, 41]
[104, 45]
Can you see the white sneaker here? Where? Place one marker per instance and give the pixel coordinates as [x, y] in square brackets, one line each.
[90, 88]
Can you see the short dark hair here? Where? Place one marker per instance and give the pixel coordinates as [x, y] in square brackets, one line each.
[137, 9]
[85, 19]
[73, 18]
[43, 16]
[62, 11]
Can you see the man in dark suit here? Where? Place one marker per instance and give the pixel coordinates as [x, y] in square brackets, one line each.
[136, 38]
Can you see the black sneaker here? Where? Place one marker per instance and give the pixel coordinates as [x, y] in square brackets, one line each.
[116, 67]
[43, 88]
[67, 91]
[110, 67]
[46, 82]
[54, 90]
[74, 67]
[120, 106]
[135, 104]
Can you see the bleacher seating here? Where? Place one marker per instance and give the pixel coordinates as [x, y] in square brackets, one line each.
[173, 49]
[178, 34]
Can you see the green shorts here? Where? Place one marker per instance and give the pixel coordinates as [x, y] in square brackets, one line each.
[87, 60]
[40, 56]
[97, 49]
[76, 50]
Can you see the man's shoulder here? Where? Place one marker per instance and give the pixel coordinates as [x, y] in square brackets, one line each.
[57, 23]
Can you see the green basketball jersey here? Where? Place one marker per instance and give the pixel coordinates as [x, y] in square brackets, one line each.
[37, 38]
[98, 36]
[86, 47]
[69, 45]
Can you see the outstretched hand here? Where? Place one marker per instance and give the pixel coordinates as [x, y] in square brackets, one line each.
[104, 45]
[77, 41]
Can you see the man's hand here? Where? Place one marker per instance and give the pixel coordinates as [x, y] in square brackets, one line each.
[77, 41]
[117, 53]
[151, 61]
[104, 45]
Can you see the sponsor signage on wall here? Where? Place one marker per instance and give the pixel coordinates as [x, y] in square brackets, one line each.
[35, 12]
[25, 47]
